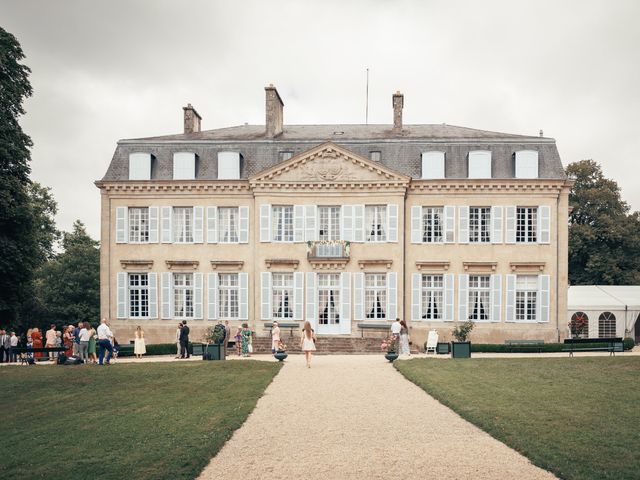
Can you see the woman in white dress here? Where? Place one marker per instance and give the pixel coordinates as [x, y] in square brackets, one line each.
[139, 347]
[308, 342]
[404, 339]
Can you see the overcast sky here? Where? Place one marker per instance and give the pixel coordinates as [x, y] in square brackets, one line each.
[107, 70]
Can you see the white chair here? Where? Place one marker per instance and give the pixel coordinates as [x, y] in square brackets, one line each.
[432, 341]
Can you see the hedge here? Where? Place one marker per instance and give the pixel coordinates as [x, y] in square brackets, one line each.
[152, 349]
[547, 347]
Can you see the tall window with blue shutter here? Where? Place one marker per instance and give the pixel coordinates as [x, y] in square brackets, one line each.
[227, 224]
[312, 302]
[137, 295]
[528, 298]
[528, 224]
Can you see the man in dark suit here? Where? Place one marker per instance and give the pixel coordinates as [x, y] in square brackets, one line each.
[184, 340]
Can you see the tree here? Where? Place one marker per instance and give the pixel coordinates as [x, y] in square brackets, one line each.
[604, 239]
[17, 241]
[68, 286]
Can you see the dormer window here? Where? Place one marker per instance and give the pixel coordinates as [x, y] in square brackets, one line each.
[184, 166]
[480, 164]
[432, 165]
[285, 155]
[140, 166]
[375, 155]
[527, 164]
[228, 165]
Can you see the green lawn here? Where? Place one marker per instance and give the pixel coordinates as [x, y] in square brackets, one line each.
[144, 421]
[576, 417]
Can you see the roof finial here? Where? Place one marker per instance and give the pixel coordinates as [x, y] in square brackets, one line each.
[541, 133]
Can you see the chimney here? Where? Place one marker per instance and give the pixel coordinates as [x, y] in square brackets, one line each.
[273, 111]
[398, 103]
[191, 119]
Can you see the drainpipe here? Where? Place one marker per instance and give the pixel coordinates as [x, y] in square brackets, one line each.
[558, 266]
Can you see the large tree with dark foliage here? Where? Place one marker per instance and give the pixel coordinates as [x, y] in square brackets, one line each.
[18, 241]
[604, 238]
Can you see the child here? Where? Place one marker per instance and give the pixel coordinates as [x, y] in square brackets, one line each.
[116, 348]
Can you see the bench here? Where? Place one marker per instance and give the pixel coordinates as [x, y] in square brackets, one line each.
[512, 345]
[611, 345]
[374, 326]
[290, 326]
[19, 351]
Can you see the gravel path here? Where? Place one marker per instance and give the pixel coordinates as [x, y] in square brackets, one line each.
[354, 417]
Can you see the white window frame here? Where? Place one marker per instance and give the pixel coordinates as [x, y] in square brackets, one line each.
[183, 294]
[328, 283]
[527, 224]
[184, 166]
[480, 224]
[138, 224]
[526, 298]
[186, 233]
[380, 230]
[228, 165]
[527, 165]
[480, 164]
[228, 219]
[479, 286]
[137, 295]
[282, 286]
[283, 232]
[375, 155]
[228, 296]
[285, 155]
[604, 324]
[431, 219]
[375, 287]
[433, 165]
[432, 287]
[329, 217]
[140, 166]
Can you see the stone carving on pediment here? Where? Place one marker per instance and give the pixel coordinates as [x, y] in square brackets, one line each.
[329, 168]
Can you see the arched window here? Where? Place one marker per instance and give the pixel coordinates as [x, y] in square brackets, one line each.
[579, 325]
[607, 325]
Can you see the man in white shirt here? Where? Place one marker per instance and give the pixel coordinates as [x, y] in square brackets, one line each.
[104, 341]
[83, 349]
[3, 350]
[13, 341]
[50, 337]
[178, 340]
[395, 331]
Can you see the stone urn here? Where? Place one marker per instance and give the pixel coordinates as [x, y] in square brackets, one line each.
[280, 355]
[391, 356]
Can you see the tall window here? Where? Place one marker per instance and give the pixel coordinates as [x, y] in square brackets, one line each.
[282, 223]
[183, 295]
[432, 224]
[183, 224]
[375, 221]
[607, 325]
[282, 295]
[228, 295]
[432, 297]
[375, 295]
[138, 224]
[329, 298]
[479, 297]
[479, 224]
[526, 297]
[579, 325]
[527, 224]
[228, 224]
[138, 295]
[329, 223]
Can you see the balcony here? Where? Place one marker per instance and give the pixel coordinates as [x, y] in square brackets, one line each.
[328, 254]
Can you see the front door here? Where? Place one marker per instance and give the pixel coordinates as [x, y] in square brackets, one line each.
[329, 302]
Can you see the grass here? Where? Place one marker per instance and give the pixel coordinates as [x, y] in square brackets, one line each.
[576, 417]
[144, 421]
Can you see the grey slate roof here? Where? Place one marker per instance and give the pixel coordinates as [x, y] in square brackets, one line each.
[401, 153]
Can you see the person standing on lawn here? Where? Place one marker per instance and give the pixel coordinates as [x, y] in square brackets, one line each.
[50, 340]
[13, 344]
[93, 358]
[396, 327]
[178, 331]
[76, 339]
[3, 350]
[139, 347]
[227, 336]
[83, 346]
[404, 339]
[184, 340]
[36, 338]
[275, 337]
[67, 339]
[104, 341]
[247, 344]
[308, 342]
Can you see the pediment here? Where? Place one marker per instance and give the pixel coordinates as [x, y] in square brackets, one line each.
[329, 163]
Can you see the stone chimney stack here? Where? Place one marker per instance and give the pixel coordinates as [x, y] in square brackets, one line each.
[273, 112]
[398, 103]
[191, 119]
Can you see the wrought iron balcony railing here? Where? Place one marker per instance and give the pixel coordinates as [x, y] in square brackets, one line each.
[328, 249]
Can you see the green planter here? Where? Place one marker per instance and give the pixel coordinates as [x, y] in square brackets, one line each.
[443, 348]
[461, 349]
[280, 355]
[391, 356]
[214, 351]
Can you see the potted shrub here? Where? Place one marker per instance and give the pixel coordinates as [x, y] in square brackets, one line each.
[390, 347]
[461, 348]
[281, 351]
[214, 338]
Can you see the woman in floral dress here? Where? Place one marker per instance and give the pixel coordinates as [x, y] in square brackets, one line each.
[246, 340]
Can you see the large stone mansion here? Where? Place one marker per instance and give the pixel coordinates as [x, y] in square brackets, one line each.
[341, 225]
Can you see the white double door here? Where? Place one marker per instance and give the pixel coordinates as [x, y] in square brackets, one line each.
[332, 298]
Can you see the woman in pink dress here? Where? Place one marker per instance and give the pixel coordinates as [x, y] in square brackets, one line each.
[308, 342]
[275, 337]
[36, 336]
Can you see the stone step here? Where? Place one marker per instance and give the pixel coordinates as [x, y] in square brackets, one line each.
[337, 345]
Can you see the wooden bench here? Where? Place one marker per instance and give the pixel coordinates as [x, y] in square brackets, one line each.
[374, 326]
[611, 345]
[290, 326]
[19, 351]
[524, 345]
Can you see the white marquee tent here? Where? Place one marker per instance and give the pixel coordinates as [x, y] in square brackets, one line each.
[609, 308]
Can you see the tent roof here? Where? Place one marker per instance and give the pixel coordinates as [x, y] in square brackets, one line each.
[604, 297]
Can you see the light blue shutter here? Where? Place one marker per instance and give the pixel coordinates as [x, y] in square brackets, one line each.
[153, 224]
[511, 298]
[544, 224]
[358, 296]
[345, 303]
[392, 222]
[310, 225]
[121, 225]
[358, 223]
[243, 230]
[416, 224]
[265, 223]
[122, 295]
[298, 295]
[347, 222]
[212, 224]
[312, 303]
[167, 213]
[243, 296]
[463, 297]
[167, 297]
[392, 295]
[463, 233]
[298, 223]
[496, 224]
[197, 296]
[449, 223]
[416, 296]
[510, 221]
[265, 283]
[198, 224]
[448, 297]
[542, 315]
[212, 296]
[496, 298]
[152, 278]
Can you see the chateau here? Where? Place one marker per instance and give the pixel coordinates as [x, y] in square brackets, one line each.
[347, 226]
